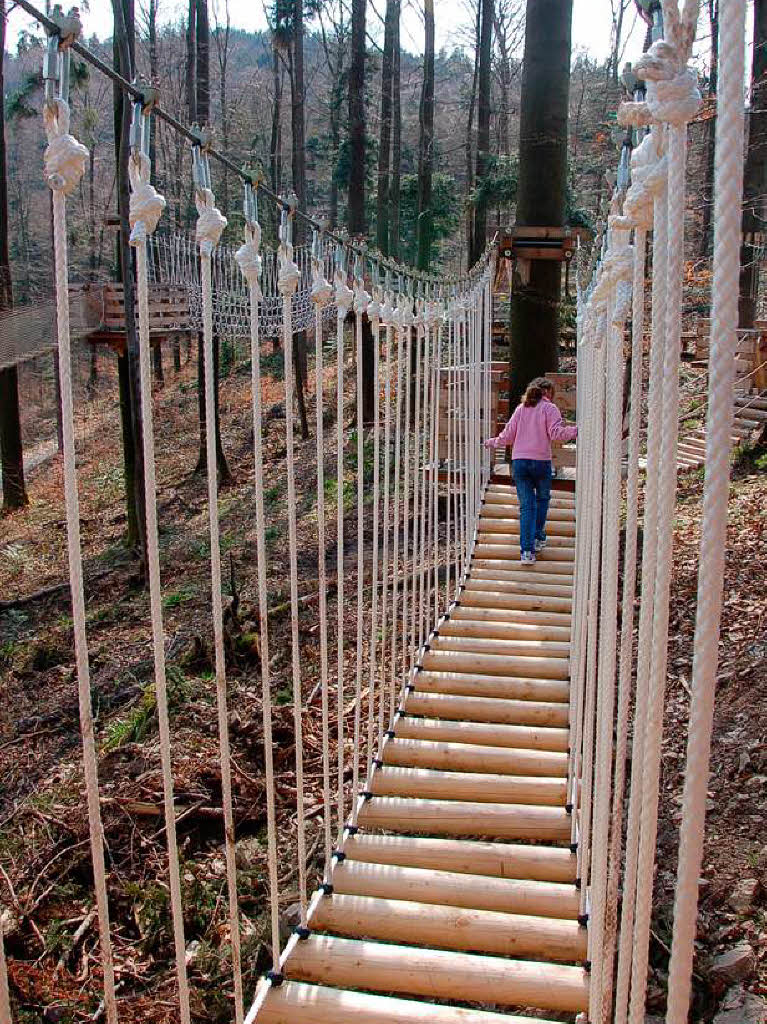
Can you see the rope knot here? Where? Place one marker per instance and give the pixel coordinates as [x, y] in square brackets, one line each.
[210, 221]
[344, 294]
[249, 259]
[64, 162]
[387, 311]
[146, 203]
[361, 297]
[374, 305]
[289, 275]
[322, 289]
[672, 87]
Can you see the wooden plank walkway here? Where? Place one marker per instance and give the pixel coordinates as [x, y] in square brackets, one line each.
[456, 899]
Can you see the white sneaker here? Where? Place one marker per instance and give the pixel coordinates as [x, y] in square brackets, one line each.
[540, 545]
[528, 558]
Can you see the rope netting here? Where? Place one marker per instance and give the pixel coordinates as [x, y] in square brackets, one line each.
[399, 561]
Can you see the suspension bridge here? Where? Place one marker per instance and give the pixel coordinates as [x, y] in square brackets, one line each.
[478, 861]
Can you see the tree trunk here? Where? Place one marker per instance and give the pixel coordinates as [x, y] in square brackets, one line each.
[426, 143]
[202, 62]
[755, 171]
[470, 138]
[542, 186]
[384, 139]
[130, 400]
[191, 60]
[396, 156]
[483, 124]
[356, 207]
[275, 144]
[11, 449]
[707, 233]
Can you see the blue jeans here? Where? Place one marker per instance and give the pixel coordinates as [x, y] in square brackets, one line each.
[533, 481]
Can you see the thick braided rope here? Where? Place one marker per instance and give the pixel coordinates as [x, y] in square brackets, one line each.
[607, 646]
[665, 534]
[263, 613]
[727, 206]
[206, 250]
[649, 560]
[424, 560]
[360, 306]
[416, 561]
[344, 299]
[435, 405]
[322, 293]
[463, 443]
[61, 184]
[590, 696]
[5, 995]
[393, 661]
[627, 613]
[406, 459]
[375, 319]
[449, 537]
[288, 281]
[386, 317]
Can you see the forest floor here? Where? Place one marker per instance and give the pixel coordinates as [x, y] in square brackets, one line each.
[45, 874]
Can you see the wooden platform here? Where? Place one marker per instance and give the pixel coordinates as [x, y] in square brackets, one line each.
[458, 889]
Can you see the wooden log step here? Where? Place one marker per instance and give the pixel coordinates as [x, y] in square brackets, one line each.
[468, 757]
[481, 787]
[503, 630]
[490, 734]
[363, 917]
[462, 818]
[504, 555]
[751, 413]
[554, 528]
[495, 664]
[297, 1003]
[508, 510]
[463, 613]
[513, 598]
[562, 551]
[440, 974]
[489, 527]
[488, 707]
[488, 645]
[752, 401]
[506, 493]
[526, 581]
[452, 889]
[467, 856]
[489, 558]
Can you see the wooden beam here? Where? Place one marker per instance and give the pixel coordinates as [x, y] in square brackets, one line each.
[516, 737]
[464, 613]
[481, 787]
[496, 664]
[450, 928]
[501, 860]
[543, 649]
[487, 709]
[472, 757]
[473, 683]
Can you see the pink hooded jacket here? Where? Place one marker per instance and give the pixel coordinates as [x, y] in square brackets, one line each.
[531, 430]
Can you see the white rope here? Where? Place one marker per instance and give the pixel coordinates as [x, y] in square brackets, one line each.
[289, 277]
[451, 481]
[406, 556]
[649, 561]
[416, 560]
[386, 317]
[344, 298]
[724, 319]
[393, 659]
[5, 996]
[250, 266]
[621, 260]
[424, 476]
[361, 298]
[208, 233]
[627, 609]
[322, 293]
[374, 313]
[63, 161]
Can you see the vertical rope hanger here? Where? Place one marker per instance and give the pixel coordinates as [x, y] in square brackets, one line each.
[287, 282]
[407, 323]
[343, 299]
[374, 314]
[361, 299]
[420, 345]
[5, 996]
[64, 167]
[728, 194]
[249, 261]
[387, 319]
[210, 226]
[674, 99]
[322, 293]
[393, 659]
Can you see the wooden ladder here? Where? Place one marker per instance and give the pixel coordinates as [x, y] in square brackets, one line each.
[458, 891]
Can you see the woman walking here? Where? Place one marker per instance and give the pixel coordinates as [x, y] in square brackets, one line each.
[536, 422]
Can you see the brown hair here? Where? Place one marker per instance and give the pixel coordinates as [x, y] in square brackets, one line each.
[532, 395]
[545, 384]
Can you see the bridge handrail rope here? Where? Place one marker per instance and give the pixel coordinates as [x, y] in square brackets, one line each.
[434, 379]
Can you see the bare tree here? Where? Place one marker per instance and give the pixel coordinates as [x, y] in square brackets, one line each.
[426, 143]
[483, 125]
[384, 144]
